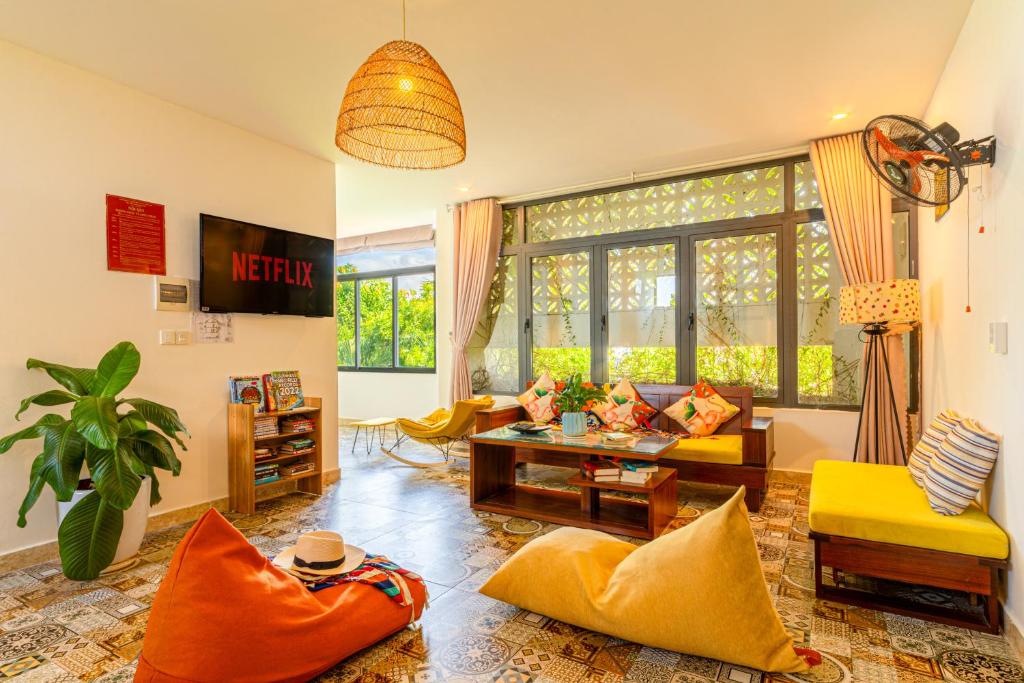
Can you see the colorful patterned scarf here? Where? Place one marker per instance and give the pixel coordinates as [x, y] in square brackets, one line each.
[379, 572]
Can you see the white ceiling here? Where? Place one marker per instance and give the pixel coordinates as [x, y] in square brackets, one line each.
[554, 92]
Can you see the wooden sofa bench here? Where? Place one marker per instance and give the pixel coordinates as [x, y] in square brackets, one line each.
[875, 521]
[740, 453]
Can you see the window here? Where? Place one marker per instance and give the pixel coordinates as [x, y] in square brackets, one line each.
[736, 311]
[728, 276]
[642, 313]
[560, 303]
[386, 309]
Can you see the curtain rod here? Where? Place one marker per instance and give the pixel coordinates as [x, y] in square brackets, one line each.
[655, 175]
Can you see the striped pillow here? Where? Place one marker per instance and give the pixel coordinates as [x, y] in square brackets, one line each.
[960, 468]
[928, 445]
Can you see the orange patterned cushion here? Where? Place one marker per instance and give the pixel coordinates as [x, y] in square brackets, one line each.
[625, 408]
[539, 400]
[225, 613]
[701, 411]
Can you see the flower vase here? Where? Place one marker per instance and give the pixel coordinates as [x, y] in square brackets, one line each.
[574, 424]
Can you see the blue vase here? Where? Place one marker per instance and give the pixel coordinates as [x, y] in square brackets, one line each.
[574, 424]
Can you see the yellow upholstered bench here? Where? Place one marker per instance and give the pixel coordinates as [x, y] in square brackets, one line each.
[724, 449]
[873, 520]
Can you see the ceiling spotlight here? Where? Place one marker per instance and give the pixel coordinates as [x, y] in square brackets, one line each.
[839, 116]
[463, 188]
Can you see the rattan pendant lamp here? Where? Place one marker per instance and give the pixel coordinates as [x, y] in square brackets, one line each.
[401, 111]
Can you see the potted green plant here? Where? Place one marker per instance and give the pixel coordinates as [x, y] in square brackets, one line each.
[575, 397]
[114, 439]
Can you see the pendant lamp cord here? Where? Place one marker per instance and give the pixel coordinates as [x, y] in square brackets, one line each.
[403, 19]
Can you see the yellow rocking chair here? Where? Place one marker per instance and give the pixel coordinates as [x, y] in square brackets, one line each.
[442, 429]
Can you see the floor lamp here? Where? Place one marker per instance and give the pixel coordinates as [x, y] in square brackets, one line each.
[880, 308]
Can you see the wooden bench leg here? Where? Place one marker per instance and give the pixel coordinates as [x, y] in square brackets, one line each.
[754, 498]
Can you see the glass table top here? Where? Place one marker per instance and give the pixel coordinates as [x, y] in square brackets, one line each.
[650, 445]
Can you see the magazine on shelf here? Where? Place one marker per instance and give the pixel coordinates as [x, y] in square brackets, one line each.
[283, 389]
[248, 389]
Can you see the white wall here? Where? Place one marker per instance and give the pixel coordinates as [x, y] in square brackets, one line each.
[69, 137]
[364, 395]
[980, 94]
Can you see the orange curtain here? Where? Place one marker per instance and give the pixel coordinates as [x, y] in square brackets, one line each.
[859, 214]
[477, 240]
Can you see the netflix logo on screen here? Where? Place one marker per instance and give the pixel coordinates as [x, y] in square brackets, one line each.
[260, 268]
[249, 268]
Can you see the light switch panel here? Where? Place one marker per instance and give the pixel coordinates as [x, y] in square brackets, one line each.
[997, 337]
[183, 337]
[167, 337]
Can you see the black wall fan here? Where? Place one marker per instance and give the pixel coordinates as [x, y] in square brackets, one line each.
[921, 164]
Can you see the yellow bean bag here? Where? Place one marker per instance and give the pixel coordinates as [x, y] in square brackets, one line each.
[697, 590]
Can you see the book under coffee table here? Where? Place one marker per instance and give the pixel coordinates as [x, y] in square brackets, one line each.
[493, 486]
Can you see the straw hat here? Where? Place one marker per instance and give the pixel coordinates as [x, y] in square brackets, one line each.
[319, 553]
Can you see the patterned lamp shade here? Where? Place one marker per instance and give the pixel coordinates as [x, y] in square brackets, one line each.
[889, 301]
[400, 110]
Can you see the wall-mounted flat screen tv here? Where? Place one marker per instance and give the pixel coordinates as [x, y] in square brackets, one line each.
[247, 268]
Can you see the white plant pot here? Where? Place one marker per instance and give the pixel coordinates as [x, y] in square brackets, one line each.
[135, 520]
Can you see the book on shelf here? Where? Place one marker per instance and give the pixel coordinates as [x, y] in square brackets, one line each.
[298, 424]
[266, 425]
[601, 468]
[297, 468]
[294, 445]
[638, 478]
[642, 466]
[267, 479]
[283, 389]
[248, 389]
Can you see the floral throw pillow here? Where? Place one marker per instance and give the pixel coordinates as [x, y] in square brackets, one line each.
[539, 399]
[624, 408]
[701, 411]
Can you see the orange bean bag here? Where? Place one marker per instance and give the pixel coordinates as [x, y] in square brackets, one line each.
[224, 613]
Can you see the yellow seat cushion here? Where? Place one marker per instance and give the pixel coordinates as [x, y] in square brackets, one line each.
[882, 503]
[697, 590]
[724, 449]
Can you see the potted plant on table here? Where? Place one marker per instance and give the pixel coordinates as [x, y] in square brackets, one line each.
[114, 439]
[574, 399]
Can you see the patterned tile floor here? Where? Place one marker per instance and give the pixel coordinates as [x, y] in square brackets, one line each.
[52, 629]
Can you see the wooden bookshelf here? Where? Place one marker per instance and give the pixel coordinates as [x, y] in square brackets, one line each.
[242, 444]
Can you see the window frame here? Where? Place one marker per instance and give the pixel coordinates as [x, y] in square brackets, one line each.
[684, 236]
[393, 274]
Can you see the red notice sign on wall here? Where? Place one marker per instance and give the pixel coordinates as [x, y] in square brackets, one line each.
[135, 236]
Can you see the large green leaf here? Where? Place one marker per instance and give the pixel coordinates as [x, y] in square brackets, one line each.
[37, 479]
[95, 418]
[131, 423]
[112, 474]
[155, 450]
[154, 486]
[116, 370]
[76, 380]
[88, 537]
[32, 432]
[166, 419]
[64, 449]
[53, 397]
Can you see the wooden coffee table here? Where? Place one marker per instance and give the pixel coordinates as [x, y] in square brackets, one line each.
[493, 486]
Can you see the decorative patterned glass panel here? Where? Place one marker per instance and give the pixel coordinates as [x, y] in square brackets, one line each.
[508, 226]
[416, 320]
[828, 355]
[805, 186]
[493, 351]
[642, 314]
[376, 343]
[345, 315]
[560, 305]
[736, 313]
[697, 200]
